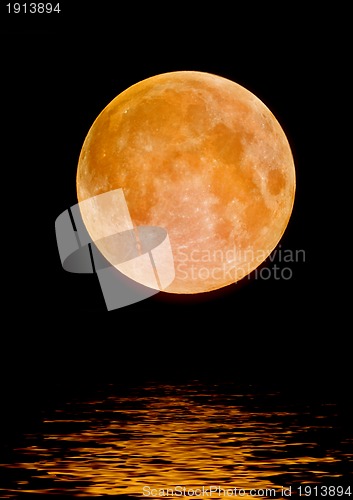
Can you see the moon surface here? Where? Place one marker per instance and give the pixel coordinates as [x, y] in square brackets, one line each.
[203, 158]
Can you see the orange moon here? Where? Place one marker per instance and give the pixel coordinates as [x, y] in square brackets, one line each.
[203, 158]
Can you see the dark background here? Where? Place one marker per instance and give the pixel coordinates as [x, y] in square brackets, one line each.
[59, 72]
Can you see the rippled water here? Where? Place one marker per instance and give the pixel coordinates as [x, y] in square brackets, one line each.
[193, 436]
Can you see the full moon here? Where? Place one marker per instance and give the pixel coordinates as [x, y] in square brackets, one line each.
[205, 159]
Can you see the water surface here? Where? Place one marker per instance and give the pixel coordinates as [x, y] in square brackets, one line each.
[159, 436]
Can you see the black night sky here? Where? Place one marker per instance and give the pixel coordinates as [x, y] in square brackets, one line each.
[59, 73]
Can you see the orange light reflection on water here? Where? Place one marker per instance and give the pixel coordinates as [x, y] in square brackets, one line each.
[169, 436]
